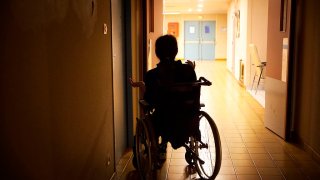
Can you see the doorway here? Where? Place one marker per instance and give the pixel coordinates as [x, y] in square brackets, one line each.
[199, 39]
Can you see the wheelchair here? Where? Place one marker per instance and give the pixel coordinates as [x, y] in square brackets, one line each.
[203, 151]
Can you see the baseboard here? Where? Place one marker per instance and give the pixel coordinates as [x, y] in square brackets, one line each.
[220, 59]
[315, 155]
[309, 150]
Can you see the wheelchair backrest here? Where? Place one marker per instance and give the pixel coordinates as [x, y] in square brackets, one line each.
[179, 96]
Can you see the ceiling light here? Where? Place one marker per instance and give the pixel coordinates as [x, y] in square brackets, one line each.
[200, 5]
[190, 10]
[171, 13]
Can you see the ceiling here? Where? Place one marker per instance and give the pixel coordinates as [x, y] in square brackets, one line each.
[195, 6]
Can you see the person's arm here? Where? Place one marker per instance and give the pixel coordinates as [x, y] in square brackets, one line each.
[135, 84]
[192, 64]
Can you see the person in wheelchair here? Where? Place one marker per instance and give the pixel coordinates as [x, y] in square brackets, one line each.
[172, 118]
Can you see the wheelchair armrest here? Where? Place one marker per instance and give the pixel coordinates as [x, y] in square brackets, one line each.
[204, 81]
[147, 108]
[144, 103]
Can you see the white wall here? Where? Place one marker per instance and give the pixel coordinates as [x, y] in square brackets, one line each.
[253, 29]
[240, 40]
[56, 90]
[257, 33]
[230, 36]
[152, 36]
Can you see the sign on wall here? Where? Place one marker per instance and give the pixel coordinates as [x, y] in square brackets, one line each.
[173, 28]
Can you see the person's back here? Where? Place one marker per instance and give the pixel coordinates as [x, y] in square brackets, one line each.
[169, 113]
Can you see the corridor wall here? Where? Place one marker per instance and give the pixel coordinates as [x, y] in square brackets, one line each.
[56, 90]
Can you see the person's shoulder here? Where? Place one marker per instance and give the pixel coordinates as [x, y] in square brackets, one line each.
[151, 74]
[152, 71]
[178, 62]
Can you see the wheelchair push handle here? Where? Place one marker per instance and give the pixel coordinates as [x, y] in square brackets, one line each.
[204, 81]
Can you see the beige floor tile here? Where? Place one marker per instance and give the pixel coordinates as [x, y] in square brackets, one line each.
[286, 163]
[237, 145]
[246, 131]
[226, 177]
[275, 150]
[225, 150]
[227, 170]
[177, 169]
[308, 164]
[238, 150]
[174, 162]
[297, 177]
[269, 140]
[232, 140]
[177, 155]
[280, 156]
[232, 135]
[249, 136]
[269, 171]
[291, 171]
[248, 177]
[262, 156]
[264, 163]
[250, 139]
[243, 163]
[226, 156]
[177, 176]
[258, 150]
[271, 177]
[254, 145]
[227, 163]
[272, 144]
[240, 156]
[246, 170]
[301, 157]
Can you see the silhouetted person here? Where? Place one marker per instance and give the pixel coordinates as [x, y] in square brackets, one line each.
[169, 119]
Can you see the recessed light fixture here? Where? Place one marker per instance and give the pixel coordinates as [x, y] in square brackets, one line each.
[189, 10]
[200, 5]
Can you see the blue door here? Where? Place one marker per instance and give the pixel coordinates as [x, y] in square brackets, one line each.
[199, 40]
[191, 40]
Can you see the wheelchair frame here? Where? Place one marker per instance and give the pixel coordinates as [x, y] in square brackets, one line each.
[198, 153]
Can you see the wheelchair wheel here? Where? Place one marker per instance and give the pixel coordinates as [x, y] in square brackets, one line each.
[146, 148]
[143, 149]
[208, 148]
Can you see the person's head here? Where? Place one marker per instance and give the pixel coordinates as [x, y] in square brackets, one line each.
[166, 47]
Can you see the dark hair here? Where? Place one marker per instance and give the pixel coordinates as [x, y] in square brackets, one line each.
[166, 47]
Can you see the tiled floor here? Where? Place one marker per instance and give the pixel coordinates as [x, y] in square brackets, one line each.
[250, 151]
